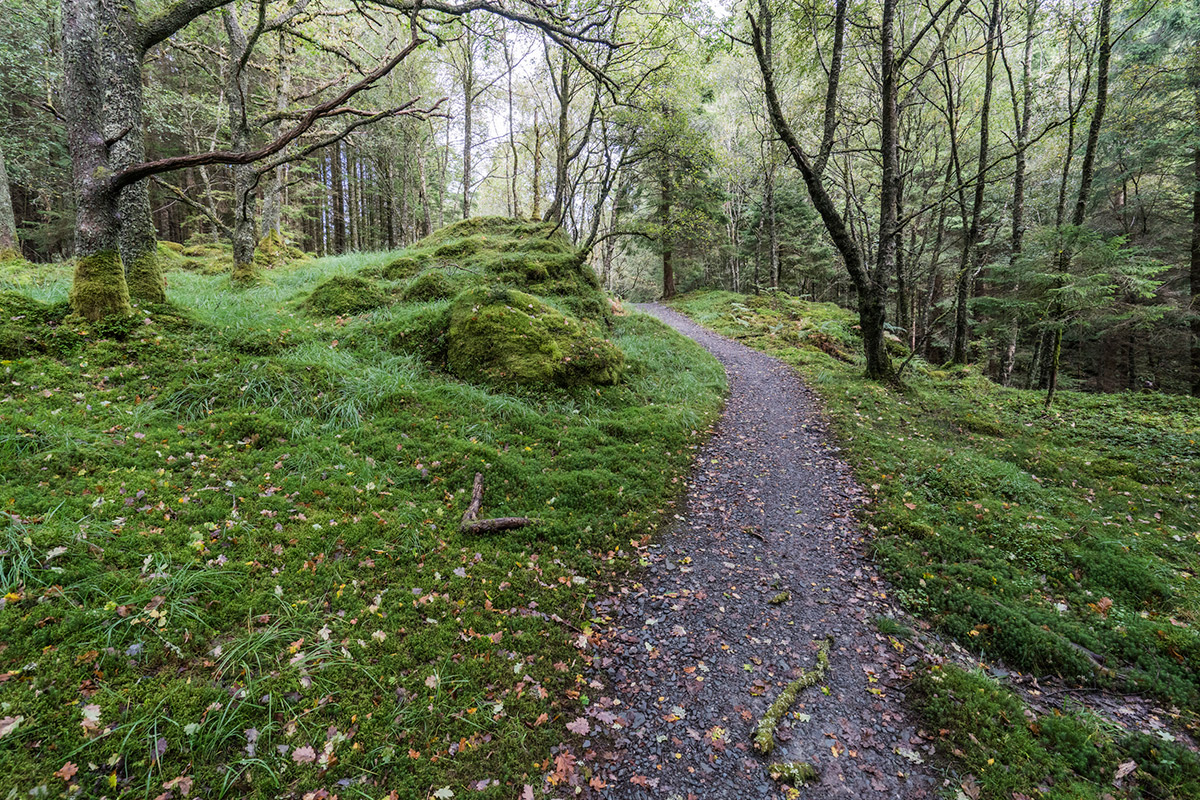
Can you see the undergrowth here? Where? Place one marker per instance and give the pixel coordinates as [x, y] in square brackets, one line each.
[230, 555]
[1062, 544]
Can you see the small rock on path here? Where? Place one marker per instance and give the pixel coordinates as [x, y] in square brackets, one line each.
[695, 651]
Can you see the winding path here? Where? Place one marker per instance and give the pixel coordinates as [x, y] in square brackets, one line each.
[694, 652]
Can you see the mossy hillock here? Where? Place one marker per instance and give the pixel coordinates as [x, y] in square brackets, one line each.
[507, 337]
[533, 257]
[345, 294]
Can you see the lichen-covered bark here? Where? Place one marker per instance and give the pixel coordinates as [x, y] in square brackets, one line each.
[8, 222]
[123, 126]
[99, 287]
[245, 176]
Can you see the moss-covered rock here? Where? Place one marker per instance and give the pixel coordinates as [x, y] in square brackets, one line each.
[506, 337]
[428, 286]
[345, 294]
[99, 289]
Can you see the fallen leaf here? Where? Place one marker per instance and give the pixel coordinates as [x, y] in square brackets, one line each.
[91, 719]
[304, 755]
[66, 772]
[9, 724]
[444, 793]
[1124, 769]
[579, 726]
[183, 783]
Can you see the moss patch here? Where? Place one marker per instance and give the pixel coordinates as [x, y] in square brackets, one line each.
[345, 294]
[400, 269]
[503, 336]
[431, 285]
[143, 275]
[99, 289]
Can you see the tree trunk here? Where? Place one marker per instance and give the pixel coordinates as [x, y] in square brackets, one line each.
[1086, 174]
[272, 213]
[536, 212]
[970, 266]
[339, 199]
[1023, 118]
[423, 196]
[771, 221]
[123, 125]
[1195, 264]
[99, 288]
[9, 246]
[562, 144]
[872, 301]
[237, 89]
[468, 103]
[664, 218]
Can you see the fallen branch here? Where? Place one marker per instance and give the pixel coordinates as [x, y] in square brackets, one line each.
[764, 737]
[470, 522]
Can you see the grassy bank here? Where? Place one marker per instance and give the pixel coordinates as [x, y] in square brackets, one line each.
[1062, 544]
[231, 558]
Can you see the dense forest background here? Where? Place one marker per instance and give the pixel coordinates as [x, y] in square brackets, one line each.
[1011, 183]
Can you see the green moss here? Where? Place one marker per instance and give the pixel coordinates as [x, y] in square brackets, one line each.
[782, 597]
[504, 336]
[764, 735]
[793, 772]
[345, 294]
[420, 331]
[246, 274]
[429, 285]
[173, 247]
[99, 289]
[400, 269]
[144, 277]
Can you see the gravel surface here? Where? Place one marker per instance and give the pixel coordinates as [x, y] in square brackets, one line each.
[693, 650]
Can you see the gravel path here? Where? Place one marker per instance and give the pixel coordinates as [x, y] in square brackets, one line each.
[694, 651]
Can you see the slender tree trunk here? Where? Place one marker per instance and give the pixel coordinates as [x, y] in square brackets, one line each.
[1023, 119]
[872, 302]
[664, 218]
[339, 199]
[9, 246]
[423, 196]
[1195, 263]
[562, 144]
[537, 168]
[237, 88]
[468, 120]
[272, 213]
[1086, 175]
[771, 220]
[99, 288]
[970, 265]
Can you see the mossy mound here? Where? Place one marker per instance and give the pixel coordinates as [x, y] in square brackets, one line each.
[429, 286]
[170, 255]
[99, 289]
[507, 337]
[421, 331]
[400, 269]
[273, 252]
[534, 257]
[345, 294]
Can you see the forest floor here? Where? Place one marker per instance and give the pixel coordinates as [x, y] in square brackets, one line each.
[765, 564]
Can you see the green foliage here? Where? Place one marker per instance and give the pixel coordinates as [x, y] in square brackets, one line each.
[231, 536]
[345, 294]
[505, 337]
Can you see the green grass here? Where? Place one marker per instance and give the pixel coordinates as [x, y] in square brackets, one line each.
[232, 537]
[1063, 545]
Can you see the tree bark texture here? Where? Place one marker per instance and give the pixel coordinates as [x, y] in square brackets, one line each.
[9, 246]
[99, 288]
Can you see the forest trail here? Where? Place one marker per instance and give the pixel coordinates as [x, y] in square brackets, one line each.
[696, 651]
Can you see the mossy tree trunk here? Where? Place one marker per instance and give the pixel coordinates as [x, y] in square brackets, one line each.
[245, 176]
[99, 288]
[8, 222]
